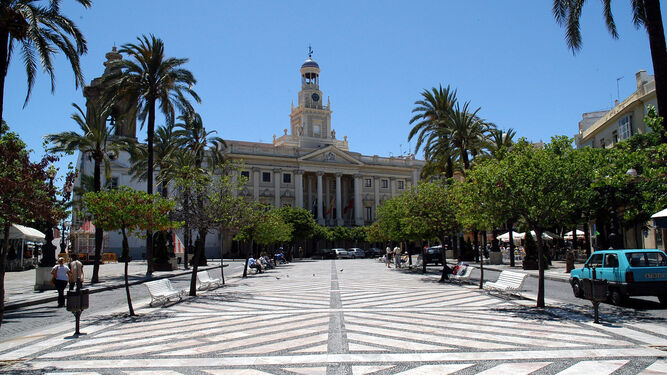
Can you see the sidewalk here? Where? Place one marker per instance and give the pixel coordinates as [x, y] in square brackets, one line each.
[19, 286]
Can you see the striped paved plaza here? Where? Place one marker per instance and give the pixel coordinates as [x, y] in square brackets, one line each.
[344, 317]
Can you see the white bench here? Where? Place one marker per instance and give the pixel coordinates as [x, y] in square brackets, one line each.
[206, 282]
[162, 291]
[465, 276]
[508, 282]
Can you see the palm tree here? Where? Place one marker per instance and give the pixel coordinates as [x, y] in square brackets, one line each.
[467, 130]
[429, 120]
[95, 139]
[148, 78]
[499, 142]
[165, 144]
[40, 31]
[203, 147]
[645, 13]
[200, 143]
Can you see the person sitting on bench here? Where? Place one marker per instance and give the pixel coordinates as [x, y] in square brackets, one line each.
[252, 263]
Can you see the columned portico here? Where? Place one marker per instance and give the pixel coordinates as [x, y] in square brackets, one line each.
[298, 186]
[339, 210]
[376, 192]
[276, 188]
[358, 215]
[320, 217]
[255, 184]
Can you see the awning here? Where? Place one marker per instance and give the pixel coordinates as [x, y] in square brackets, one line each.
[580, 234]
[660, 219]
[29, 234]
[505, 237]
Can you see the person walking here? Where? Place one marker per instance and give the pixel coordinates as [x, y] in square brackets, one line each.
[60, 274]
[397, 257]
[388, 255]
[76, 273]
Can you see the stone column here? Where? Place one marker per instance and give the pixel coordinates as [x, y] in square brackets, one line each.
[309, 191]
[358, 215]
[320, 218]
[392, 186]
[255, 183]
[327, 200]
[415, 177]
[298, 188]
[339, 210]
[276, 187]
[376, 187]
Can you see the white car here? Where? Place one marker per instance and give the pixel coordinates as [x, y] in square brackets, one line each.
[356, 252]
[342, 253]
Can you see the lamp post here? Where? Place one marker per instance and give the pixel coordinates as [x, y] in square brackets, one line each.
[48, 250]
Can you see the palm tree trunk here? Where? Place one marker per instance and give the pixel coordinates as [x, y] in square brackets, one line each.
[195, 268]
[656, 37]
[149, 181]
[4, 63]
[99, 233]
[3, 261]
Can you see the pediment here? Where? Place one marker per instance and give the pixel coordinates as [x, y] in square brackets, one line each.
[330, 154]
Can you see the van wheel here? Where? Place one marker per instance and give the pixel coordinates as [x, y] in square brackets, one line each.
[617, 298]
[576, 289]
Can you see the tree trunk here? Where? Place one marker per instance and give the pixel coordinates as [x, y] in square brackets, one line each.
[222, 260]
[149, 181]
[4, 44]
[656, 37]
[99, 233]
[423, 260]
[540, 262]
[245, 266]
[195, 268]
[125, 257]
[481, 262]
[587, 238]
[445, 274]
[3, 261]
[510, 225]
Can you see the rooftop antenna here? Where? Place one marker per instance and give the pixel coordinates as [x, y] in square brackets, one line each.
[618, 91]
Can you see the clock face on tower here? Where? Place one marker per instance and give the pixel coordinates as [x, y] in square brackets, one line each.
[315, 97]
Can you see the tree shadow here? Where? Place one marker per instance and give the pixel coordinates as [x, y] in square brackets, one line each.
[126, 318]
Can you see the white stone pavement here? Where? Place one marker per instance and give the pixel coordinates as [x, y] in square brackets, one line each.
[343, 317]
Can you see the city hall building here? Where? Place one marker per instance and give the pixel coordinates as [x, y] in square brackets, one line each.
[307, 166]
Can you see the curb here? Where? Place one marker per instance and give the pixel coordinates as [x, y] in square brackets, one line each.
[39, 301]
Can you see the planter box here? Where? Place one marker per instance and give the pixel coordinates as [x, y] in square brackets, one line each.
[495, 257]
[168, 266]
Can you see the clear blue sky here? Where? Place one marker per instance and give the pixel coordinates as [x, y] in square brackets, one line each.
[507, 57]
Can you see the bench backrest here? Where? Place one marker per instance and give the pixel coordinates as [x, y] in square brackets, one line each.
[159, 287]
[513, 279]
[467, 272]
[203, 276]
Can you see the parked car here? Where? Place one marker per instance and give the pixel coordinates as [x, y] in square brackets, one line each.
[324, 254]
[638, 272]
[374, 252]
[433, 255]
[356, 252]
[342, 253]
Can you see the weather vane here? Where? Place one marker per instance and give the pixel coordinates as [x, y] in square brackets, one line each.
[310, 52]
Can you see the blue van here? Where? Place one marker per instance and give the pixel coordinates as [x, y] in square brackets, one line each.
[637, 272]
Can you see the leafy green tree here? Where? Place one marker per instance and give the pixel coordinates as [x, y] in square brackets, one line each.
[96, 140]
[129, 211]
[645, 13]
[150, 79]
[25, 195]
[39, 31]
[302, 221]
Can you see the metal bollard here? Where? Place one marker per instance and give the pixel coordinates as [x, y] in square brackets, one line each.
[77, 301]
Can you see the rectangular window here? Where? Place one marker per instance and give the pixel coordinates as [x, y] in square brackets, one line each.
[614, 136]
[287, 178]
[368, 182]
[245, 174]
[595, 261]
[112, 183]
[369, 213]
[266, 176]
[625, 128]
[401, 185]
[602, 145]
[385, 184]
